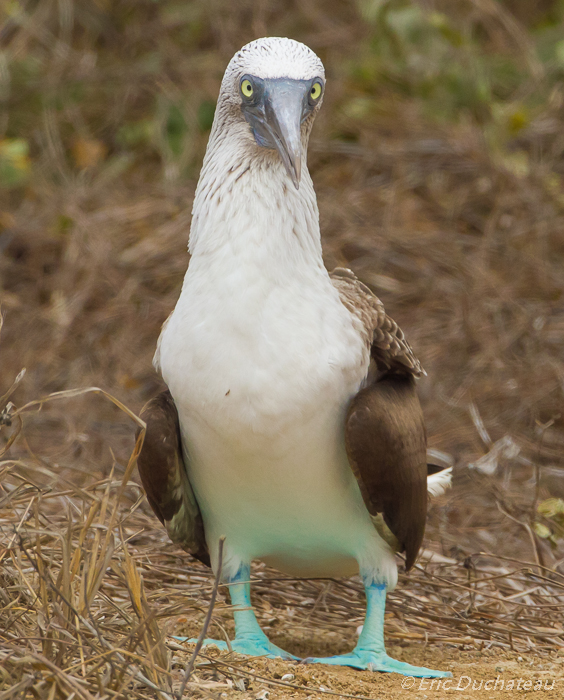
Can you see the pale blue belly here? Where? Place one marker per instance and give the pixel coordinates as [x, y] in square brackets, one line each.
[294, 504]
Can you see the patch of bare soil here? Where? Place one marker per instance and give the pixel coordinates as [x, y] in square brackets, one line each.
[476, 675]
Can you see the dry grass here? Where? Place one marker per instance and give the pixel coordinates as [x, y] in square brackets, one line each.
[438, 168]
[90, 589]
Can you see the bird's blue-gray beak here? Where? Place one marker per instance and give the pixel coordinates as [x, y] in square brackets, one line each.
[275, 113]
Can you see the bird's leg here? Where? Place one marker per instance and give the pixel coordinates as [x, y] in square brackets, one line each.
[249, 637]
[370, 652]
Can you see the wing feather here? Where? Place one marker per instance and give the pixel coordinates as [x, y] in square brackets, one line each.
[385, 433]
[165, 479]
[389, 348]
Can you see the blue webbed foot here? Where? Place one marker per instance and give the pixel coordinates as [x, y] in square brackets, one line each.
[370, 652]
[256, 646]
[373, 661]
[248, 645]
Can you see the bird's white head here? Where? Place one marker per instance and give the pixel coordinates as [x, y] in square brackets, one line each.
[270, 94]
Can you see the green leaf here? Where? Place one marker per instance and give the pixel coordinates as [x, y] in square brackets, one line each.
[176, 128]
[551, 507]
[14, 162]
[137, 133]
[206, 112]
[542, 530]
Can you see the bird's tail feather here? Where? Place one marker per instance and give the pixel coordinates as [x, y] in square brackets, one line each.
[439, 482]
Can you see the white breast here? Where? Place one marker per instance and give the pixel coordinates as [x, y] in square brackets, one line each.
[260, 354]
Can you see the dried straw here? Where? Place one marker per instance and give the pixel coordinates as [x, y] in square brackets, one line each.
[89, 591]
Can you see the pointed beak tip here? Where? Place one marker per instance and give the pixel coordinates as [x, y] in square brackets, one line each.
[294, 170]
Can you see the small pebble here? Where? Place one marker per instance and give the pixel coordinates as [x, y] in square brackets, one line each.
[288, 677]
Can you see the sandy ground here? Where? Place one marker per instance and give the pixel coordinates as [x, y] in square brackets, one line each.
[477, 675]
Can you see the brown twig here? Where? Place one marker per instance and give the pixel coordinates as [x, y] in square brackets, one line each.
[204, 630]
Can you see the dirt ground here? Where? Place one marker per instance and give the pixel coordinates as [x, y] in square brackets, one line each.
[477, 675]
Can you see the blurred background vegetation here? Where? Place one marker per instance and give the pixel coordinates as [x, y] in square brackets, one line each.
[438, 159]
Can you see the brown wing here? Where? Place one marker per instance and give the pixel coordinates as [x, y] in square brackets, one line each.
[165, 480]
[384, 431]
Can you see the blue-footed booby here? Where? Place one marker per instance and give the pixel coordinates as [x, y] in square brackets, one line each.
[291, 426]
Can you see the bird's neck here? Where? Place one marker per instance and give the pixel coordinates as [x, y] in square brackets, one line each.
[246, 209]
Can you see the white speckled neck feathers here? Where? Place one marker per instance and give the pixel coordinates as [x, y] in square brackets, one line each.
[249, 202]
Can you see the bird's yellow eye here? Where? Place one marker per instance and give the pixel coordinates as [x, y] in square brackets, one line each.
[247, 88]
[315, 92]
